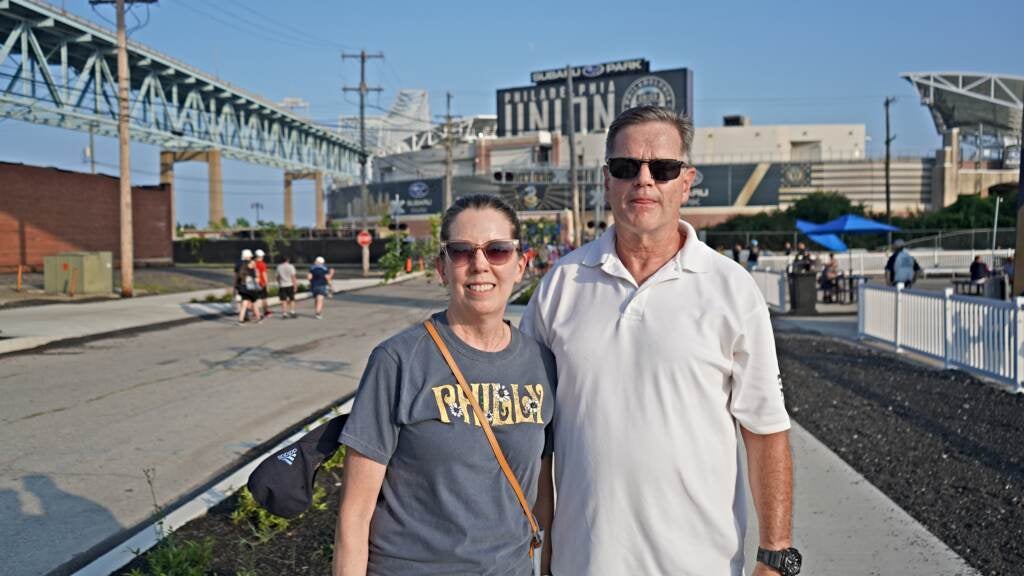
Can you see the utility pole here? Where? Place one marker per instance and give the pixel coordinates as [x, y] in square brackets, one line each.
[448, 171]
[363, 89]
[127, 243]
[573, 187]
[888, 160]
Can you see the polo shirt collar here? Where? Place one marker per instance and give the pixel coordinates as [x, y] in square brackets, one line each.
[692, 257]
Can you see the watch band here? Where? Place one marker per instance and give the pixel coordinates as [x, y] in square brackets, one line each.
[786, 562]
[771, 558]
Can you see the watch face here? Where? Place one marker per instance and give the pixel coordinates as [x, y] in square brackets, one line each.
[791, 562]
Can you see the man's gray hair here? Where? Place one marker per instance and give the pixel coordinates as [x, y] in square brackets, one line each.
[645, 114]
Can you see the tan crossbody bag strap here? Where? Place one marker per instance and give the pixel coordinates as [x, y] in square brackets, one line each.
[498, 454]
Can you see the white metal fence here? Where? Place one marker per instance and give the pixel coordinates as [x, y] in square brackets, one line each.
[931, 261]
[978, 335]
[773, 287]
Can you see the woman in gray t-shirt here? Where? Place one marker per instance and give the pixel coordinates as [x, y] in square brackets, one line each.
[423, 492]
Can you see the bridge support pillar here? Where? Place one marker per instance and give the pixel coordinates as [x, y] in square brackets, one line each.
[318, 179]
[167, 178]
[216, 186]
[168, 158]
[289, 215]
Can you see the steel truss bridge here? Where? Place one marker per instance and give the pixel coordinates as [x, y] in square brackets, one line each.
[60, 70]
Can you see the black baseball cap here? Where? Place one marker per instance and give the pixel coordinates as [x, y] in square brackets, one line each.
[283, 483]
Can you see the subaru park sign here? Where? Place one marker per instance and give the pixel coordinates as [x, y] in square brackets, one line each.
[601, 92]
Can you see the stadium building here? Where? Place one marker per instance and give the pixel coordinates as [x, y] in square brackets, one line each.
[522, 152]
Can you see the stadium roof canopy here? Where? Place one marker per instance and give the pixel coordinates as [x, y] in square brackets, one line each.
[967, 100]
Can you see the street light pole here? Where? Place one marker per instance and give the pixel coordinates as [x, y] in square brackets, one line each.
[577, 217]
[257, 206]
[888, 160]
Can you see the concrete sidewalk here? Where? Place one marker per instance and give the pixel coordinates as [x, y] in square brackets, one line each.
[31, 327]
[844, 327]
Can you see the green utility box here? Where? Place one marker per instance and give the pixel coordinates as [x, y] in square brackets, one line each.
[92, 273]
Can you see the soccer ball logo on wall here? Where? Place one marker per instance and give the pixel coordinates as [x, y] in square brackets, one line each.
[528, 196]
[649, 91]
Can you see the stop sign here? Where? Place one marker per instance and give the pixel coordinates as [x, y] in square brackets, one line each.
[364, 238]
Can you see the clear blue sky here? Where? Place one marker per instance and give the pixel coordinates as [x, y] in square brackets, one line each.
[781, 62]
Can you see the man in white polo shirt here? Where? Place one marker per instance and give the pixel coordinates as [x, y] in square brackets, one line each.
[663, 346]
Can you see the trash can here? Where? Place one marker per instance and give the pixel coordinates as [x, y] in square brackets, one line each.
[803, 293]
[995, 287]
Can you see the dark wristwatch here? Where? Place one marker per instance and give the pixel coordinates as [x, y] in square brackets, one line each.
[786, 562]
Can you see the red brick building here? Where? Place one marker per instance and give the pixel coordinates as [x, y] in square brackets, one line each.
[45, 211]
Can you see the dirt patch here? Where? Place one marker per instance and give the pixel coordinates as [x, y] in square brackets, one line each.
[304, 547]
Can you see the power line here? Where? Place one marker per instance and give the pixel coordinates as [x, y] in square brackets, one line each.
[302, 32]
[257, 31]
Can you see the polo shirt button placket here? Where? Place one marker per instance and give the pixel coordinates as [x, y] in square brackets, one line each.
[634, 309]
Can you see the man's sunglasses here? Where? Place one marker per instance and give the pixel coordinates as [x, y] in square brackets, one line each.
[497, 252]
[661, 170]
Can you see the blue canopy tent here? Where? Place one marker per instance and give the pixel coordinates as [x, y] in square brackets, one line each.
[852, 224]
[831, 242]
[848, 224]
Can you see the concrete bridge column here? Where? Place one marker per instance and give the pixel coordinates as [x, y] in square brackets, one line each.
[167, 178]
[216, 186]
[168, 158]
[321, 221]
[318, 181]
[289, 216]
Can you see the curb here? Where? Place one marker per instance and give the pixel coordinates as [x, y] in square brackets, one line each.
[148, 536]
[206, 311]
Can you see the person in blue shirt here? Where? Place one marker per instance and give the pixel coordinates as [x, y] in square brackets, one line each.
[320, 283]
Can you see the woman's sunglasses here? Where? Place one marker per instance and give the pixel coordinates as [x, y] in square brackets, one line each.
[497, 252]
[661, 170]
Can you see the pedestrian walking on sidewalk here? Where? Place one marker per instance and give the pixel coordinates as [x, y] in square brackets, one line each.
[663, 347]
[236, 294]
[261, 274]
[424, 493]
[286, 287]
[320, 277]
[247, 285]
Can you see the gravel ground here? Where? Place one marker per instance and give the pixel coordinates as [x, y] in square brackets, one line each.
[946, 447]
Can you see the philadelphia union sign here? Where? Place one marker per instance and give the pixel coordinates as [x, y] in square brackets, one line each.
[601, 91]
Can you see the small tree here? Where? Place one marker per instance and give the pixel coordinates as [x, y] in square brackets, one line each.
[820, 207]
[393, 259]
[275, 236]
[242, 223]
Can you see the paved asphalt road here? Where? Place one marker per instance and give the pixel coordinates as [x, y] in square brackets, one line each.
[80, 424]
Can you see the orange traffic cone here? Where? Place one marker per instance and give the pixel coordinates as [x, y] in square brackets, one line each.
[408, 264]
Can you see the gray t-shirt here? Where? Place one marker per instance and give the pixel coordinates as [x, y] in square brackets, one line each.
[445, 507]
[285, 275]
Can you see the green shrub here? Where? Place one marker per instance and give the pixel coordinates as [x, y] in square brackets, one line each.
[264, 525]
[335, 461]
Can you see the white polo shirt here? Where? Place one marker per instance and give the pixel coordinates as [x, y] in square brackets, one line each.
[652, 380]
